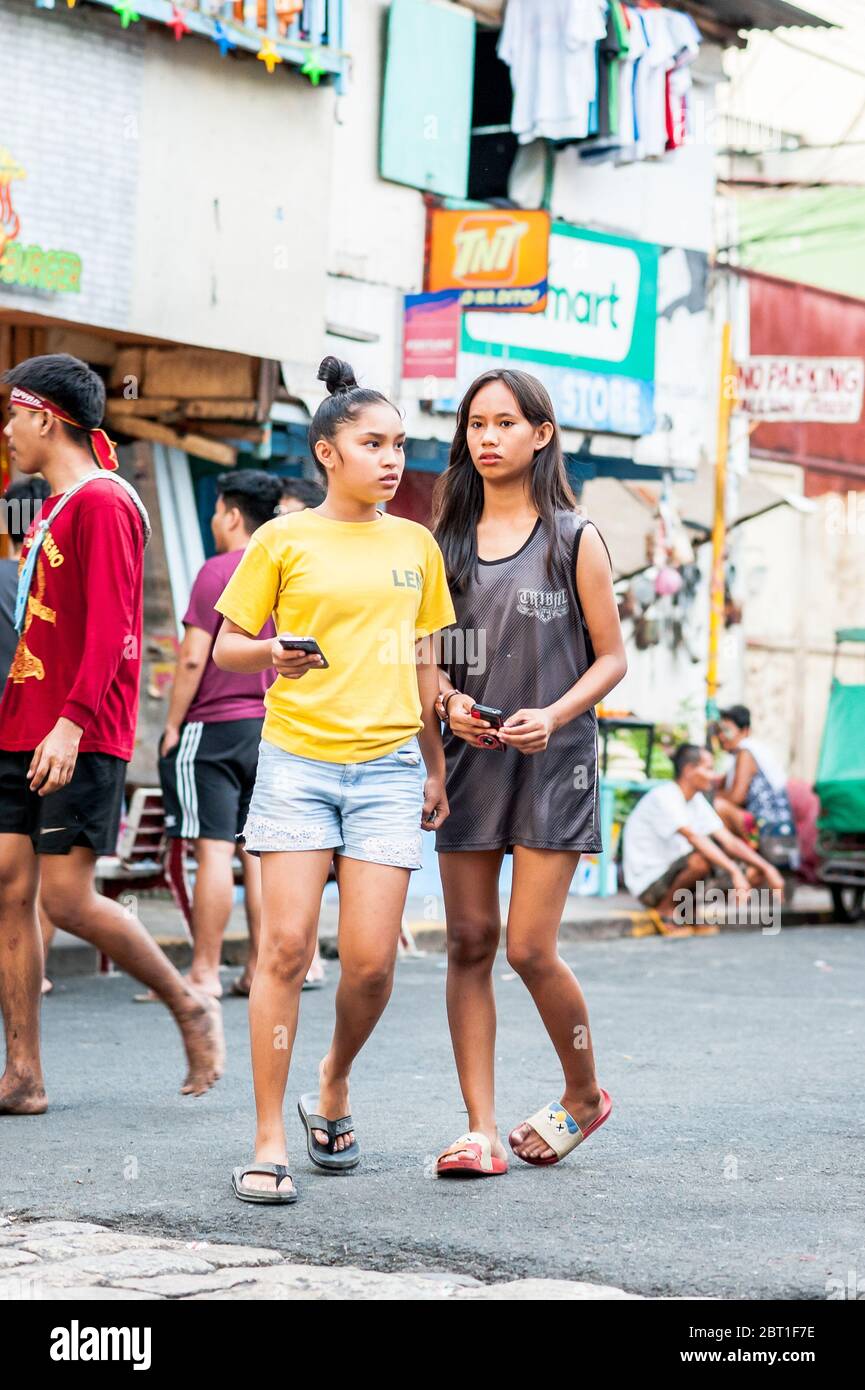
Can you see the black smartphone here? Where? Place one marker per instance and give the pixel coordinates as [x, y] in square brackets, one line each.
[492, 716]
[304, 644]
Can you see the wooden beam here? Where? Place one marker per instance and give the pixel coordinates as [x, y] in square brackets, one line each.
[90, 347]
[128, 363]
[226, 429]
[220, 410]
[142, 405]
[138, 428]
[199, 372]
[5, 347]
[268, 380]
[209, 449]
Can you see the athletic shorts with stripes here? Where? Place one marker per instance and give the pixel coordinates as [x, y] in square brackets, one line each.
[208, 777]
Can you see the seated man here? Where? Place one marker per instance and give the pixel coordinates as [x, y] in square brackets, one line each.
[754, 791]
[673, 839]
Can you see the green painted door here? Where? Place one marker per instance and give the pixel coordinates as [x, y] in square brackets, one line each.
[428, 88]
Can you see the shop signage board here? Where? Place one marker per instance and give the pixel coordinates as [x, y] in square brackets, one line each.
[29, 265]
[431, 328]
[594, 344]
[496, 257]
[802, 390]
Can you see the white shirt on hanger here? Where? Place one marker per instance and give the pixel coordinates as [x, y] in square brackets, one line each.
[651, 87]
[549, 46]
[637, 50]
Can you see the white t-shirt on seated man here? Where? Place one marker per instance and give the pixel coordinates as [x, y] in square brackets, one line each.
[673, 837]
[653, 839]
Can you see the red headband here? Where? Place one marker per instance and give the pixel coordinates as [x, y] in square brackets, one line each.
[103, 447]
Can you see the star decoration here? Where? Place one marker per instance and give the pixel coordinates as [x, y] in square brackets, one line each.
[178, 23]
[268, 55]
[221, 37]
[313, 70]
[127, 12]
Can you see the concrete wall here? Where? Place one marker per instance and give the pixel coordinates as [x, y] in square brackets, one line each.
[804, 576]
[233, 202]
[195, 189]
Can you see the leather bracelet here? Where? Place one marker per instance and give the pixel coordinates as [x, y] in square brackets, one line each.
[445, 699]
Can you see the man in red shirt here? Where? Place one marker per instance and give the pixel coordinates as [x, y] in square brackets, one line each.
[67, 721]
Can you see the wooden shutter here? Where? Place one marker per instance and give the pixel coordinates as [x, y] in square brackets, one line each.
[428, 87]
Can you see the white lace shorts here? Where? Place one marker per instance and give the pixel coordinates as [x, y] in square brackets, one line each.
[368, 811]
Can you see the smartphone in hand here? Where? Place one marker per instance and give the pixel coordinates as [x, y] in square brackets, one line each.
[303, 644]
[492, 716]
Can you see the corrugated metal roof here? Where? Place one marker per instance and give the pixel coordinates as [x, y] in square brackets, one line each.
[757, 14]
[736, 14]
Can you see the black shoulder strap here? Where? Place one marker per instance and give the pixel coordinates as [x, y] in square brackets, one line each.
[581, 523]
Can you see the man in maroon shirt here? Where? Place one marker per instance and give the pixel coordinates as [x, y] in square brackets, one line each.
[67, 721]
[209, 750]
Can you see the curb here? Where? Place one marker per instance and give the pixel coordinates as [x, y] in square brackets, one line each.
[70, 961]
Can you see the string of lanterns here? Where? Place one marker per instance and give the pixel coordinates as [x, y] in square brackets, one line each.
[268, 53]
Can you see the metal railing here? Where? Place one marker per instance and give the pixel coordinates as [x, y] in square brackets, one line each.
[309, 36]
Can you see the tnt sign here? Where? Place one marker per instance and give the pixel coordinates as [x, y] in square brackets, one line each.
[496, 259]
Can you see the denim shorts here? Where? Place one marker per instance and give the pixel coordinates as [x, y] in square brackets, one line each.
[368, 811]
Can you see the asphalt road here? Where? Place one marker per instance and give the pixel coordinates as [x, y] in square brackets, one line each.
[732, 1165]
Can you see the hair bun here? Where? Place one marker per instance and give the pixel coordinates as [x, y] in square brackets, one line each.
[337, 375]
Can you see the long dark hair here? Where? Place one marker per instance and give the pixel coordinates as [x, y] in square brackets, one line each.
[458, 496]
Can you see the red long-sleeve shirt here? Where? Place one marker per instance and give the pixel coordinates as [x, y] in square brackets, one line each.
[79, 656]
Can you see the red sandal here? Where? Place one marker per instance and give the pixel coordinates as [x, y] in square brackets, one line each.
[559, 1130]
[470, 1156]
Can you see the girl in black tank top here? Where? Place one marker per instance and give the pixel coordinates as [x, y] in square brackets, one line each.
[537, 636]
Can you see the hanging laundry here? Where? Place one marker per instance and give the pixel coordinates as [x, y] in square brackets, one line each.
[638, 46]
[650, 90]
[551, 48]
[613, 48]
[685, 39]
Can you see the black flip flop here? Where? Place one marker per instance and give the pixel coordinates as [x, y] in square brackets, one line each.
[323, 1155]
[254, 1194]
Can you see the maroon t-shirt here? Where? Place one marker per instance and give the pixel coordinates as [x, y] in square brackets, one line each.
[223, 695]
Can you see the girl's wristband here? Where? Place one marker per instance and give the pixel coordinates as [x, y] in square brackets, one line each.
[446, 698]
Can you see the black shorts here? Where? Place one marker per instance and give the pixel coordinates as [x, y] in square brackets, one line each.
[207, 779]
[86, 811]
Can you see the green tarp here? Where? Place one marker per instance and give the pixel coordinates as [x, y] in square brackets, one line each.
[840, 782]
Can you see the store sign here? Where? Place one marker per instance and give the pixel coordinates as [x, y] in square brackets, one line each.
[818, 390]
[593, 346]
[431, 326]
[496, 258]
[28, 265]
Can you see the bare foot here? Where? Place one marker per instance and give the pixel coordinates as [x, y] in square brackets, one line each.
[211, 986]
[333, 1104]
[203, 1039]
[22, 1095]
[316, 970]
[206, 982]
[527, 1143]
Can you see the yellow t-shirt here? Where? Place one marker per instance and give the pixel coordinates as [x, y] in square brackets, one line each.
[365, 591]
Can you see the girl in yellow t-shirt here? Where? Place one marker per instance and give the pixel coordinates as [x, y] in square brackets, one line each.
[339, 768]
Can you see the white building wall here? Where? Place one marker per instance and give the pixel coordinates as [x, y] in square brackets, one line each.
[79, 193]
[195, 189]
